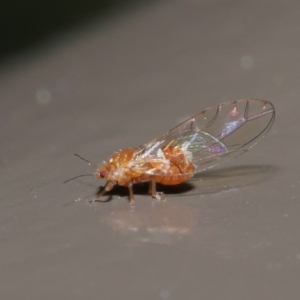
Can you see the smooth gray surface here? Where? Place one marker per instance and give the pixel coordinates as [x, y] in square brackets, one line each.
[233, 233]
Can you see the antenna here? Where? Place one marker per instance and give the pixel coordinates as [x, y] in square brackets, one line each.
[83, 174]
[78, 177]
[85, 160]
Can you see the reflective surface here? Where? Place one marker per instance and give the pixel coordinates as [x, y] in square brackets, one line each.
[230, 233]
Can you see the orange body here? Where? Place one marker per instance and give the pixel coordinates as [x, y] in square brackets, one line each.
[210, 137]
[125, 167]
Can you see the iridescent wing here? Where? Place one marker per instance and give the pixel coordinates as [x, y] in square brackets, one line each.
[215, 135]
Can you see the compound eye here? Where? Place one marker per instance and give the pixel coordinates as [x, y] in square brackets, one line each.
[103, 174]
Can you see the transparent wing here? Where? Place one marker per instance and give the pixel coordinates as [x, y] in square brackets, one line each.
[217, 134]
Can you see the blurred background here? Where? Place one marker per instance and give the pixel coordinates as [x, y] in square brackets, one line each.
[96, 76]
[27, 24]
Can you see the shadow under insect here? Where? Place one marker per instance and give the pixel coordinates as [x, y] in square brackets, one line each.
[206, 182]
[143, 189]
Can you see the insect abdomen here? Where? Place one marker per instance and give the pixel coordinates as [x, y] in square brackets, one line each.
[174, 176]
[176, 169]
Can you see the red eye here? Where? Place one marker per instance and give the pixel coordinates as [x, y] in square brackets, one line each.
[103, 174]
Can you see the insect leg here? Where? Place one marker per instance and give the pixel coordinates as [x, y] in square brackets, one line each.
[108, 187]
[153, 192]
[150, 187]
[131, 197]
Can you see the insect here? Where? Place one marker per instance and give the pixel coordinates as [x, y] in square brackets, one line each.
[209, 138]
